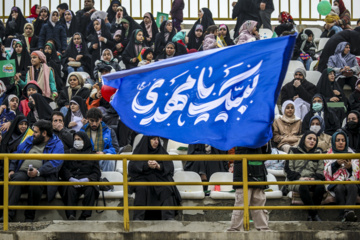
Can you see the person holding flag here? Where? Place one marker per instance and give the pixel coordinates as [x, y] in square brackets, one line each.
[133, 49]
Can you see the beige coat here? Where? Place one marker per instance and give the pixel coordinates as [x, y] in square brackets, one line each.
[286, 131]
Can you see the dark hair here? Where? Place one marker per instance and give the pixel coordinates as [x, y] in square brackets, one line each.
[57, 113]
[358, 21]
[94, 113]
[63, 6]
[211, 29]
[44, 125]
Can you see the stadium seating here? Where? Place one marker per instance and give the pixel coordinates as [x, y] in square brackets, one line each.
[294, 64]
[189, 191]
[322, 43]
[313, 76]
[265, 33]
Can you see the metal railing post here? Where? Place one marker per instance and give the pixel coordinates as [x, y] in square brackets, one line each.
[246, 195]
[6, 194]
[126, 197]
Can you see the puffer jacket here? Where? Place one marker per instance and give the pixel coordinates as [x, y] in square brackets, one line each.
[58, 33]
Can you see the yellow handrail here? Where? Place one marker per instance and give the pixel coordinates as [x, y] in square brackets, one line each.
[125, 208]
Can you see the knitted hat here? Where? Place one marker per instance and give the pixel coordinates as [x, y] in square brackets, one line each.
[300, 70]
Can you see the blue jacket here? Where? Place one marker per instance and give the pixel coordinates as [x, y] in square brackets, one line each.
[58, 33]
[108, 147]
[50, 168]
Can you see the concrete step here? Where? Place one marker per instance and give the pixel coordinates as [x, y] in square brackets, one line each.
[155, 230]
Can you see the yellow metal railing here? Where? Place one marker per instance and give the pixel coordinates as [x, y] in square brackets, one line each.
[214, 5]
[126, 184]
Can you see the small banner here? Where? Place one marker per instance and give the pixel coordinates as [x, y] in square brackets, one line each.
[7, 68]
[219, 42]
[160, 17]
[29, 133]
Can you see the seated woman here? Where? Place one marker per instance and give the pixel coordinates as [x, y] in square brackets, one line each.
[128, 25]
[352, 129]
[345, 65]
[305, 48]
[133, 49]
[342, 170]
[333, 93]
[317, 126]
[69, 22]
[29, 38]
[166, 34]
[320, 108]
[76, 117]
[307, 170]
[39, 109]
[150, 28]
[22, 60]
[195, 37]
[287, 24]
[79, 171]
[248, 33]
[42, 74]
[75, 88]
[77, 57]
[171, 50]
[354, 98]
[153, 171]
[14, 25]
[8, 110]
[107, 58]
[344, 15]
[287, 128]
[225, 34]
[30, 88]
[13, 137]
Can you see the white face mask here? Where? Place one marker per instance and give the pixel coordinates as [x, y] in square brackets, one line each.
[315, 128]
[78, 144]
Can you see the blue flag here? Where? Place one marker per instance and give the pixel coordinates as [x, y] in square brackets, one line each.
[222, 97]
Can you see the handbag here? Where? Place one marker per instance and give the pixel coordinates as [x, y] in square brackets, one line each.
[304, 56]
[104, 188]
[74, 64]
[348, 73]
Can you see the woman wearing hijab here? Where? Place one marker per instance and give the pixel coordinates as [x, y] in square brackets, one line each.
[28, 37]
[76, 116]
[317, 126]
[287, 128]
[225, 34]
[171, 50]
[166, 34]
[54, 62]
[307, 170]
[128, 25]
[287, 24]
[153, 171]
[133, 49]
[35, 11]
[319, 108]
[113, 8]
[345, 65]
[116, 23]
[329, 88]
[14, 25]
[248, 33]
[342, 170]
[8, 110]
[100, 39]
[75, 88]
[14, 135]
[53, 29]
[345, 16]
[107, 58]
[70, 24]
[196, 37]
[41, 20]
[352, 129]
[205, 168]
[30, 88]
[22, 59]
[42, 74]
[80, 171]
[150, 28]
[119, 47]
[205, 19]
[39, 109]
[354, 98]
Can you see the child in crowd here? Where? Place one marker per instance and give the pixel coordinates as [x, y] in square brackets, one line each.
[107, 58]
[147, 56]
[133, 49]
[77, 57]
[210, 38]
[305, 48]
[30, 88]
[248, 33]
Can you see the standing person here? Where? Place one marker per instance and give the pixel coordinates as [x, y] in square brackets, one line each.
[153, 171]
[41, 20]
[22, 60]
[244, 10]
[62, 7]
[83, 16]
[256, 194]
[53, 61]
[80, 171]
[150, 28]
[343, 170]
[166, 34]
[35, 11]
[113, 9]
[176, 13]
[69, 21]
[307, 170]
[42, 142]
[266, 9]
[205, 19]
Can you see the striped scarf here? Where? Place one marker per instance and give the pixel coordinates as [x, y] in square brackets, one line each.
[99, 141]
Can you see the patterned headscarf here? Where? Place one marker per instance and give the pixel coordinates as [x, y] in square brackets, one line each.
[286, 17]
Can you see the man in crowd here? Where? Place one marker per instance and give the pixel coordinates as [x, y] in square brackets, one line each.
[103, 138]
[64, 134]
[266, 8]
[83, 16]
[300, 91]
[42, 142]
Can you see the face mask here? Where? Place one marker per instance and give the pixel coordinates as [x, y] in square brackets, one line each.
[352, 125]
[317, 107]
[31, 105]
[78, 144]
[315, 128]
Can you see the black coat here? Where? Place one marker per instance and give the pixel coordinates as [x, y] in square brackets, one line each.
[160, 41]
[154, 30]
[194, 42]
[130, 52]
[354, 100]
[25, 62]
[353, 133]
[63, 98]
[72, 28]
[13, 136]
[39, 23]
[14, 27]
[43, 108]
[325, 88]
[305, 91]
[53, 61]
[352, 37]
[82, 21]
[57, 33]
[179, 50]
[33, 43]
[245, 10]
[66, 137]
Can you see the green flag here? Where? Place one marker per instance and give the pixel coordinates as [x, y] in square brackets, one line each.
[160, 17]
[7, 68]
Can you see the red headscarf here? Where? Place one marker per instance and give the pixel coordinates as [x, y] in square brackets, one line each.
[341, 6]
[286, 17]
[33, 12]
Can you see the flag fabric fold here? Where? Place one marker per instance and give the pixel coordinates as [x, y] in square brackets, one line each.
[223, 97]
